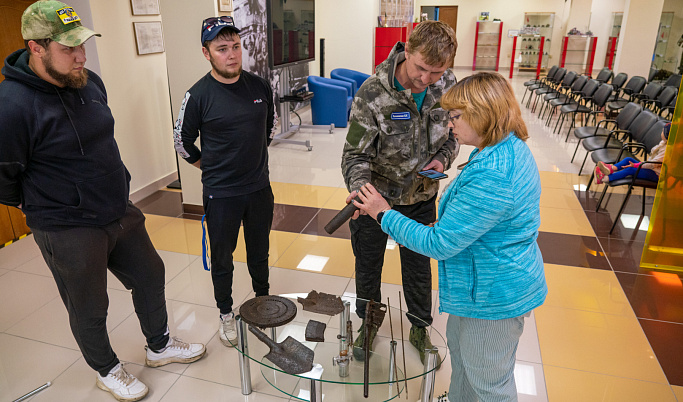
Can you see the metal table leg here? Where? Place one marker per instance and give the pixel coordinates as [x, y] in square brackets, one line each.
[245, 371]
[431, 359]
[316, 391]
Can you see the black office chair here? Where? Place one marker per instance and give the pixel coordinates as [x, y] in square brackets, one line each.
[571, 96]
[597, 102]
[674, 80]
[632, 87]
[604, 75]
[652, 74]
[667, 111]
[649, 141]
[622, 122]
[663, 99]
[550, 84]
[617, 83]
[561, 92]
[608, 149]
[584, 97]
[650, 91]
[532, 85]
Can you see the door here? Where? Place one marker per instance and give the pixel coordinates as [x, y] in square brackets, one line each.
[449, 15]
[12, 220]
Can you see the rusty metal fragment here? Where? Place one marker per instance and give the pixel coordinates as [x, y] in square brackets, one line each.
[322, 303]
[315, 331]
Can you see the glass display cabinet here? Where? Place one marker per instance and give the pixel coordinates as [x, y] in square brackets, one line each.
[487, 42]
[542, 25]
[660, 60]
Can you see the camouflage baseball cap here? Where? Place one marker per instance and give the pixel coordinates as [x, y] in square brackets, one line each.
[54, 20]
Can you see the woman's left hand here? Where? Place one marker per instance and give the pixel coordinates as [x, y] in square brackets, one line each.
[373, 202]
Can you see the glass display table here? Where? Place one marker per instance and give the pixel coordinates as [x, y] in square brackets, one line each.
[342, 380]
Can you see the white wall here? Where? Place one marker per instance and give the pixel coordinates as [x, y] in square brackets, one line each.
[512, 15]
[349, 30]
[186, 65]
[601, 25]
[137, 89]
[638, 35]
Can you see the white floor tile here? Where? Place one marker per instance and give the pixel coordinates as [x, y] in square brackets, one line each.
[23, 294]
[26, 365]
[18, 253]
[53, 315]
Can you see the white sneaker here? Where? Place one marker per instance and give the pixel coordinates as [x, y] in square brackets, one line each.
[227, 331]
[121, 384]
[176, 351]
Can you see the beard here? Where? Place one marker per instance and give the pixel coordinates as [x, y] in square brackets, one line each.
[73, 80]
[223, 72]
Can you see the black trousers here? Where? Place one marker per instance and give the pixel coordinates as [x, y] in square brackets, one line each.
[223, 219]
[79, 257]
[369, 244]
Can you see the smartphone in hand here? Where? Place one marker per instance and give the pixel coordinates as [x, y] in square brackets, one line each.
[432, 174]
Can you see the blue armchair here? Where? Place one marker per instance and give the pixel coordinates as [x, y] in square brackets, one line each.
[332, 99]
[355, 77]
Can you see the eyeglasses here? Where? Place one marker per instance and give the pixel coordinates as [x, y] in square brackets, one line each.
[452, 119]
[212, 22]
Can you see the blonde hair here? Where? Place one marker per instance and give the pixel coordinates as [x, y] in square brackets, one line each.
[488, 105]
[435, 41]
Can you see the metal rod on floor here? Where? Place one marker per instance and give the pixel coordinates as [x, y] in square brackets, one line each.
[316, 391]
[393, 371]
[243, 347]
[403, 344]
[35, 391]
[428, 380]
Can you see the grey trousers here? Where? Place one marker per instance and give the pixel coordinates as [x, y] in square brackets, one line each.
[483, 354]
[79, 257]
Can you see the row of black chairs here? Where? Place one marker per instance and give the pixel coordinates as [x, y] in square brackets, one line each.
[634, 115]
[634, 133]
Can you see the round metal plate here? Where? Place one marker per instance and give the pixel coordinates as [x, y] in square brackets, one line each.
[268, 311]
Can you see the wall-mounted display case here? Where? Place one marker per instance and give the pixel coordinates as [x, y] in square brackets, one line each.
[661, 60]
[537, 25]
[487, 42]
[613, 40]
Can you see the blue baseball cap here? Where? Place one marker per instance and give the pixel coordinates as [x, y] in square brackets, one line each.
[213, 25]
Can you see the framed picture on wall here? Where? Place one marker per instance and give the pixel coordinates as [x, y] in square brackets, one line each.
[225, 5]
[149, 37]
[145, 7]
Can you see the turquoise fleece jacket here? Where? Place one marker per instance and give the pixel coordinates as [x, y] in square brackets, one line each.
[490, 266]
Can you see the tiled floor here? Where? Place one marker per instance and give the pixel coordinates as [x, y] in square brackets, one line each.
[609, 331]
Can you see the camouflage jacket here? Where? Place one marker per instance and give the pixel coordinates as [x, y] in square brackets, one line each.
[389, 140]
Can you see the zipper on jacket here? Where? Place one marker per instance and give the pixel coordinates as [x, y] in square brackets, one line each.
[474, 279]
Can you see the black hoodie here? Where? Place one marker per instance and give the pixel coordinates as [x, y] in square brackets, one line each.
[58, 156]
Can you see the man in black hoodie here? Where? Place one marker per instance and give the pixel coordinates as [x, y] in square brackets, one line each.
[60, 164]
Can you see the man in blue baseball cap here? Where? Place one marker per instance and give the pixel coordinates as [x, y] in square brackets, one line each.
[232, 111]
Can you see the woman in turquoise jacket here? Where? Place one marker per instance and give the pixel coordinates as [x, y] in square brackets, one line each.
[490, 267]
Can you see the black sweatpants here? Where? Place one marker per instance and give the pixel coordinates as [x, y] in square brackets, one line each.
[78, 258]
[223, 219]
[369, 244]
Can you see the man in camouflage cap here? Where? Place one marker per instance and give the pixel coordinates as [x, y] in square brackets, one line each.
[60, 164]
[398, 128]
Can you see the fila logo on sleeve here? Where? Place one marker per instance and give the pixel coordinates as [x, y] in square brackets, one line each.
[258, 100]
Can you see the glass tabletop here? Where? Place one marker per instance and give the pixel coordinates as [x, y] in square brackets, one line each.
[325, 368]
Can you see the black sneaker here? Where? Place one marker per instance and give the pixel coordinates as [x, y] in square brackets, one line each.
[359, 343]
[420, 339]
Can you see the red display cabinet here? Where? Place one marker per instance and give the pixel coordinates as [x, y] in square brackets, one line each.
[385, 39]
[611, 52]
[528, 52]
[487, 40]
[578, 53]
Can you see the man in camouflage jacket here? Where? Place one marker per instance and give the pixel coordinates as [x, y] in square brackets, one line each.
[398, 128]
